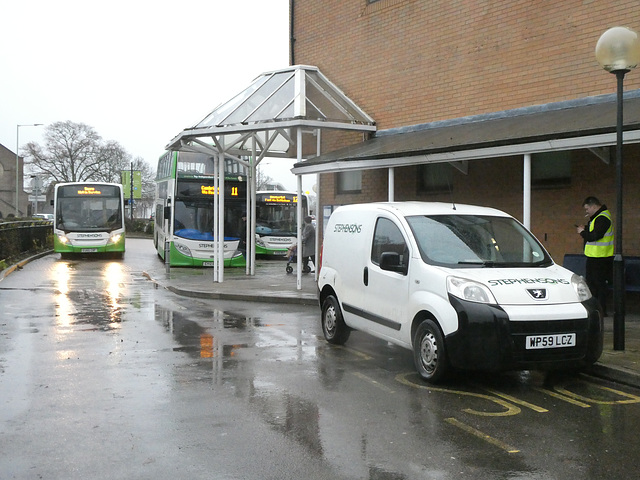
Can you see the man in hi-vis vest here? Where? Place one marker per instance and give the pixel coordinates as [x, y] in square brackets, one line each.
[598, 248]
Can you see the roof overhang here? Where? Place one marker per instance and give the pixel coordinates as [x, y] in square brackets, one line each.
[583, 123]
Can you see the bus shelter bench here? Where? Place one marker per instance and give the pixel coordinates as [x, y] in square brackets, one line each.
[577, 264]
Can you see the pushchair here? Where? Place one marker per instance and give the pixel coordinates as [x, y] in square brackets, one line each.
[293, 258]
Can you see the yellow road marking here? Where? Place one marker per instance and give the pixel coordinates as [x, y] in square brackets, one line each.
[373, 382]
[562, 397]
[509, 408]
[481, 435]
[533, 407]
[362, 355]
[631, 398]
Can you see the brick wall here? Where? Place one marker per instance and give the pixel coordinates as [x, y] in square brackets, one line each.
[409, 62]
[413, 61]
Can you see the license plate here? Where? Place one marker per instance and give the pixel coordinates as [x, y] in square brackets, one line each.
[208, 264]
[556, 340]
[280, 254]
[89, 250]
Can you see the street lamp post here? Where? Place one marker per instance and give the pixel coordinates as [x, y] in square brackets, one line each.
[618, 51]
[18, 161]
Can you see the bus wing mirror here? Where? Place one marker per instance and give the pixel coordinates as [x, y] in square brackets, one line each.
[167, 213]
[51, 201]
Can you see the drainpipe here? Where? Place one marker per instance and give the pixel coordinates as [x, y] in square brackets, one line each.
[292, 40]
[526, 188]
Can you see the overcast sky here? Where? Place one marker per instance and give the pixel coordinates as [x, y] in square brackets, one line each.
[137, 71]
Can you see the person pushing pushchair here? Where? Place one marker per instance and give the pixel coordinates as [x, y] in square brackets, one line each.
[308, 248]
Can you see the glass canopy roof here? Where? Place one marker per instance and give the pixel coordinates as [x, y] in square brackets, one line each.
[266, 110]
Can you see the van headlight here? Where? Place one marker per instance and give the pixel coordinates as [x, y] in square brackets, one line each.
[580, 286]
[469, 290]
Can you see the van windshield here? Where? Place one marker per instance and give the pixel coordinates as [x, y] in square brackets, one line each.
[463, 241]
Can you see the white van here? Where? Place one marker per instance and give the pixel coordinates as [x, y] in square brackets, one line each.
[464, 287]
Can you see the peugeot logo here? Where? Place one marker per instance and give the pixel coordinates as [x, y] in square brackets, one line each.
[538, 293]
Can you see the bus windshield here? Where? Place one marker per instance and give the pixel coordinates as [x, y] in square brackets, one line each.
[194, 210]
[276, 213]
[88, 209]
[194, 220]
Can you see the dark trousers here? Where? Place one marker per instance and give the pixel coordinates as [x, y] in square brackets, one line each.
[599, 273]
[305, 261]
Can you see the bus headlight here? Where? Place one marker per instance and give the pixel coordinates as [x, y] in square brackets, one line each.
[259, 241]
[115, 238]
[469, 290]
[580, 286]
[183, 249]
[63, 239]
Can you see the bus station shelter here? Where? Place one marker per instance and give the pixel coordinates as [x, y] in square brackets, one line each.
[268, 119]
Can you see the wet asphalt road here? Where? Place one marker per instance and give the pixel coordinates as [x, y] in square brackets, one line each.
[104, 376]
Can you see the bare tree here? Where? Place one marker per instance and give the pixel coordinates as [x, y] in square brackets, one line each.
[262, 179]
[74, 152]
[112, 159]
[70, 153]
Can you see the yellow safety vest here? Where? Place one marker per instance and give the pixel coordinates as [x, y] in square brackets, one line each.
[602, 247]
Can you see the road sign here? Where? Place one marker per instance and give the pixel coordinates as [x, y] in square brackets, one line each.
[137, 183]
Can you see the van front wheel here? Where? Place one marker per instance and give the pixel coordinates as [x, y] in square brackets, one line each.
[429, 353]
[333, 326]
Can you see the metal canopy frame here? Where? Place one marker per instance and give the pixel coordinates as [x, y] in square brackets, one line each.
[267, 119]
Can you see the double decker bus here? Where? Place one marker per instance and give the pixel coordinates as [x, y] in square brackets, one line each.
[185, 210]
[276, 221]
[88, 218]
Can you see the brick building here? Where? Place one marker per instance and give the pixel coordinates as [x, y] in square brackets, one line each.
[498, 79]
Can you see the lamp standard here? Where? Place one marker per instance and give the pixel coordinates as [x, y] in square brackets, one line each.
[18, 160]
[618, 51]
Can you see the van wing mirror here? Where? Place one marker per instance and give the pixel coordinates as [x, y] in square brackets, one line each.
[391, 261]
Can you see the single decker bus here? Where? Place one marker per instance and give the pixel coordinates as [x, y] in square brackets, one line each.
[276, 221]
[88, 218]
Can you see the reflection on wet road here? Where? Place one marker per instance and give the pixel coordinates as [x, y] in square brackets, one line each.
[96, 297]
[103, 375]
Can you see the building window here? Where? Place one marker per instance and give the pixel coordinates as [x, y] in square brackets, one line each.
[550, 169]
[435, 178]
[349, 182]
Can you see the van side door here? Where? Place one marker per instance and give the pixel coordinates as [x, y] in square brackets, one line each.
[386, 278]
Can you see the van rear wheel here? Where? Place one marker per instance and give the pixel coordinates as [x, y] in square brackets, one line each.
[429, 353]
[335, 330]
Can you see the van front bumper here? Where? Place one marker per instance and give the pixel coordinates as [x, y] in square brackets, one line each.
[487, 339]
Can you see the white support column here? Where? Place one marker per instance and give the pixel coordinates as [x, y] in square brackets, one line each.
[392, 184]
[251, 212]
[216, 218]
[221, 173]
[299, 211]
[317, 257]
[526, 188]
